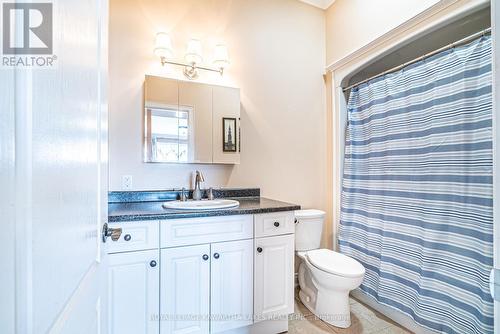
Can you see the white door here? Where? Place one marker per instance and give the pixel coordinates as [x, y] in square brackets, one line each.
[53, 161]
[185, 290]
[231, 285]
[274, 274]
[134, 292]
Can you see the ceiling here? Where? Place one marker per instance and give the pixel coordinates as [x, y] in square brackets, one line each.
[323, 4]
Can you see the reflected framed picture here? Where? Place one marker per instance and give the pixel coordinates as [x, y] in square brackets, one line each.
[229, 139]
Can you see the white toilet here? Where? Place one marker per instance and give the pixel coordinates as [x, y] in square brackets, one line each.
[325, 276]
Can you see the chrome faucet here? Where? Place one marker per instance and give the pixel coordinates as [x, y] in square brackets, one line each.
[197, 191]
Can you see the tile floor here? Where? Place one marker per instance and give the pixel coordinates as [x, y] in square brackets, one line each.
[364, 321]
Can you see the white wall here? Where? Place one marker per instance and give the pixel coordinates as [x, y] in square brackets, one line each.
[277, 51]
[351, 24]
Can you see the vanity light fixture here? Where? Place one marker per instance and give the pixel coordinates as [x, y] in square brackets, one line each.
[163, 45]
[193, 56]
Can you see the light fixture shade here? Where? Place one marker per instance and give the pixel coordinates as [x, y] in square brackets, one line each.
[163, 45]
[221, 56]
[193, 52]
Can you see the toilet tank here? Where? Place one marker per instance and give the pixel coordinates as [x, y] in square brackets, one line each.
[308, 229]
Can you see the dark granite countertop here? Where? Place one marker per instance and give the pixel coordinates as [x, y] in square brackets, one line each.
[134, 211]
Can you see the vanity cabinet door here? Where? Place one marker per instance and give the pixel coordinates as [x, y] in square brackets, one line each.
[185, 290]
[133, 280]
[232, 285]
[274, 275]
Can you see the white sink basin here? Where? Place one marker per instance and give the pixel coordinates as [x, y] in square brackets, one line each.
[215, 204]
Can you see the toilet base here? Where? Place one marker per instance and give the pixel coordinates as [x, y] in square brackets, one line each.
[331, 307]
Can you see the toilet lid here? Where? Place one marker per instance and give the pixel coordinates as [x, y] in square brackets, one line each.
[335, 263]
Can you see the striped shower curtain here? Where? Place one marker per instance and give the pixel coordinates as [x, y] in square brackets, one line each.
[417, 189]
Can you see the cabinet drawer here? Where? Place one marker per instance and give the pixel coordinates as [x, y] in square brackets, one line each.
[276, 223]
[135, 236]
[191, 231]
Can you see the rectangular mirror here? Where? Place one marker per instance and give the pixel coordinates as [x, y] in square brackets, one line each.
[189, 122]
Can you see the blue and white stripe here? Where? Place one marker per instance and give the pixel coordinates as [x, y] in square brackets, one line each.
[417, 189]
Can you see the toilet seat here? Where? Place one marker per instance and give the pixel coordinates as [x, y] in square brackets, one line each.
[335, 263]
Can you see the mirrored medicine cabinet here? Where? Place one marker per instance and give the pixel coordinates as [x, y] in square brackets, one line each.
[190, 122]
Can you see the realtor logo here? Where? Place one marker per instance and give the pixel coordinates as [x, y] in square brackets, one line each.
[27, 28]
[27, 36]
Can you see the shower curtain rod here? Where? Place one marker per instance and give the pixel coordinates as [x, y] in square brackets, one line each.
[427, 55]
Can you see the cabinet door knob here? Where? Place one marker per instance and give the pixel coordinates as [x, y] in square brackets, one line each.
[259, 249]
[216, 255]
[127, 237]
[152, 263]
[205, 257]
[277, 224]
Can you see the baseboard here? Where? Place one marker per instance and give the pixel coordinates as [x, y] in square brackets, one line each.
[262, 327]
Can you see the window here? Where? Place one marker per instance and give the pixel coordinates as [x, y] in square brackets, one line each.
[168, 134]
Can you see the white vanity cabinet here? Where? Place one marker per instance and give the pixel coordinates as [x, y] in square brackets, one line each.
[274, 275]
[133, 290]
[274, 265]
[205, 275]
[231, 285]
[185, 290]
[207, 288]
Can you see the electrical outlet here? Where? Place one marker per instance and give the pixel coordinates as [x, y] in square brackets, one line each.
[126, 182]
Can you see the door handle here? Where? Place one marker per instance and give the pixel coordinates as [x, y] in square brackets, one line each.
[114, 233]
